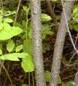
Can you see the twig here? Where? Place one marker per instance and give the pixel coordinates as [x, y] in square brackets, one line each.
[17, 11]
[7, 74]
[33, 84]
[67, 26]
[74, 53]
[29, 78]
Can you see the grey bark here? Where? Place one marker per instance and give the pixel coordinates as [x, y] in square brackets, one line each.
[37, 42]
[76, 79]
[58, 49]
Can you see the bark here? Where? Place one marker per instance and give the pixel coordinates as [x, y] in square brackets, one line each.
[58, 49]
[37, 42]
[76, 79]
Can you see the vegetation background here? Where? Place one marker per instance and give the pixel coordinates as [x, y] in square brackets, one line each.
[29, 38]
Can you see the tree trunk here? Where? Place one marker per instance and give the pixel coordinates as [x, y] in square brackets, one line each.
[37, 42]
[59, 44]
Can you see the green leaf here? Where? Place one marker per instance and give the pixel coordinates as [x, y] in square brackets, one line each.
[69, 83]
[75, 13]
[1, 26]
[10, 45]
[30, 31]
[13, 56]
[45, 17]
[47, 76]
[9, 13]
[27, 46]
[9, 32]
[1, 52]
[19, 48]
[6, 26]
[46, 30]
[1, 18]
[27, 64]
[10, 57]
[16, 30]
[75, 10]
[8, 20]
[26, 9]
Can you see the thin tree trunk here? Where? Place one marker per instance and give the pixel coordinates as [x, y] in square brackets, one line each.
[37, 42]
[59, 44]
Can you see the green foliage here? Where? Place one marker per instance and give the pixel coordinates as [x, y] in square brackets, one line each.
[1, 52]
[9, 34]
[27, 46]
[46, 30]
[45, 17]
[68, 83]
[8, 13]
[26, 9]
[74, 18]
[47, 76]
[8, 20]
[19, 48]
[16, 39]
[10, 45]
[27, 64]
[75, 13]
[7, 31]
[13, 56]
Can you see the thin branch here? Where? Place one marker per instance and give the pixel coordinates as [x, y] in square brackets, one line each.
[7, 74]
[74, 53]
[17, 11]
[67, 26]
